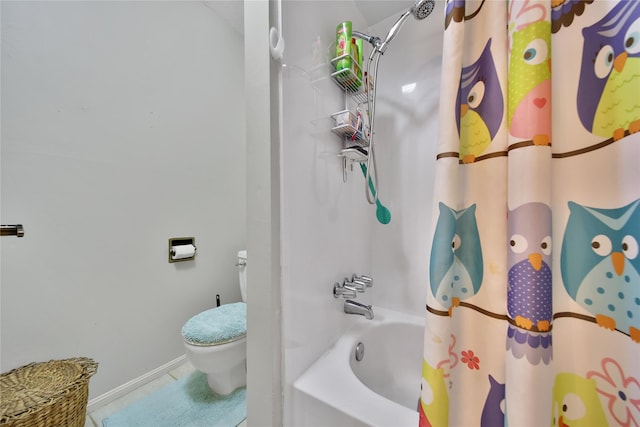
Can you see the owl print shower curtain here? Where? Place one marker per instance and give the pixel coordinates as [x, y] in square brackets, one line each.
[533, 301]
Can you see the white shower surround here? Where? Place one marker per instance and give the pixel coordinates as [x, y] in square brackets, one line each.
[328, 229]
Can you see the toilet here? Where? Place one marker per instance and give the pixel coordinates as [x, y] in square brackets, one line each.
[216, 340]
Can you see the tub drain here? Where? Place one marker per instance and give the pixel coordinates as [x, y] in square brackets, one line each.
[359, 351]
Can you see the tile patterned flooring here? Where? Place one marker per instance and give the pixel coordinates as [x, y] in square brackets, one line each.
[94, 419]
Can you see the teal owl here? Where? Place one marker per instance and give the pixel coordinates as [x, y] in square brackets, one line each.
[599, 264]
[456, 256]
[529, 112]
[608, 101]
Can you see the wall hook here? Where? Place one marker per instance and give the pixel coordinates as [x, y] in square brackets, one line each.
[276, 43]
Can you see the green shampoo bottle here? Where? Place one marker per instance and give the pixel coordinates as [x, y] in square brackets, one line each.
[359, 59]
[343, 45]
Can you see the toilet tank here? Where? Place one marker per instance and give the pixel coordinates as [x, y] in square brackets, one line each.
[242, 273]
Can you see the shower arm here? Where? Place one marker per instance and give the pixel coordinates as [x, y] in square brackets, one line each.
[375, 41]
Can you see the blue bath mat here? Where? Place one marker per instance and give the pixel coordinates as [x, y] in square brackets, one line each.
[186, 403]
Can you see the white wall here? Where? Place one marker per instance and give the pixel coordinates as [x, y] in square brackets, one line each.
[329, 231]
[122, 126]
[264, 362]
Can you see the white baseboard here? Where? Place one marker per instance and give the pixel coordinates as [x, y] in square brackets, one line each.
[118, 392]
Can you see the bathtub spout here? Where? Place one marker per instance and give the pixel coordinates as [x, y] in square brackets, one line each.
[353, 307]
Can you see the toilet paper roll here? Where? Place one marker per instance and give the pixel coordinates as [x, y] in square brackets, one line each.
[182, 251]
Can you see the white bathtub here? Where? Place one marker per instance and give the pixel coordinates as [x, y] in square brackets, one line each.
[381, 390]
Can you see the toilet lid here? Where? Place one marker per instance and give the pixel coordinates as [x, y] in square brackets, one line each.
[218, 325]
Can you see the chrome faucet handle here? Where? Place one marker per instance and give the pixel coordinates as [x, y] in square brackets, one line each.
[368, 281]
[355, 285]
[359, 285]
[344, 291]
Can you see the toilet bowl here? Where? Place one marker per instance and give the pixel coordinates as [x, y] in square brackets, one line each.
[215, 340]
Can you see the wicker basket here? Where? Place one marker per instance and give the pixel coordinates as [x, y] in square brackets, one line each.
[46, 394]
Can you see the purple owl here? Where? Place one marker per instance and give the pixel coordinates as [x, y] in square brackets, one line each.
[608, 102]
[563, 12]
[492, 412]
[479, 106]
[454, 11]
[529, 284]
[529, 258]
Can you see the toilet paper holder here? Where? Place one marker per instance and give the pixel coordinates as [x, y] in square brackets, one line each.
[181, 241]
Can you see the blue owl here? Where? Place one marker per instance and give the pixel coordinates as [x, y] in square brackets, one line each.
[479, 106]
[608, 101]
[529, 260]
[599, 264]
[456, 256]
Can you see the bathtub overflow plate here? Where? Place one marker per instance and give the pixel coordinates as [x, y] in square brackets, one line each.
[359, 351]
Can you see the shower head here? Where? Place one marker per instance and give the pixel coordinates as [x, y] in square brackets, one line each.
[420, 10]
